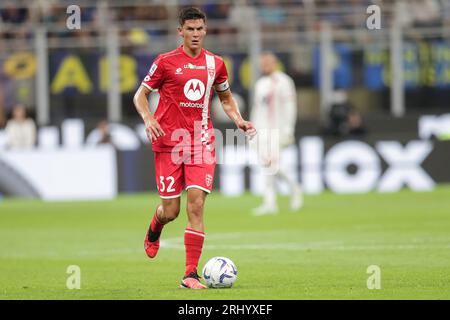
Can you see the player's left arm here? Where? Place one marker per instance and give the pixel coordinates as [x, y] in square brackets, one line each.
[229, 104]
[231, 108]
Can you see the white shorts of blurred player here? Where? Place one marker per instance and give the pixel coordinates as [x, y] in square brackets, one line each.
[269, 148]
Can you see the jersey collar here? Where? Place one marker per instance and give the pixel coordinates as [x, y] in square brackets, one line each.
[196, 58]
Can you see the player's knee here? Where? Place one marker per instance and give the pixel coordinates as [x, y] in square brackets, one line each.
[170, 216]
[195, 207]
[171, 212]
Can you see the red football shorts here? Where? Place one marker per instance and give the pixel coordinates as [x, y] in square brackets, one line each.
[174, 173]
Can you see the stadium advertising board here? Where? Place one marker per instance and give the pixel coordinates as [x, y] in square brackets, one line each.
[82, 169]
[349, 167]
[59, 174]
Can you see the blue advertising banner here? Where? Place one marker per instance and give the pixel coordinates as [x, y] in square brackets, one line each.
[426, 64]
[342, 67]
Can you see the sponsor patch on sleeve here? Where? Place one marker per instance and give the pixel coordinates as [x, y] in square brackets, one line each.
[152, 69]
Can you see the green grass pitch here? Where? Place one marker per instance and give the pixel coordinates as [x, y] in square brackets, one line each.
[321, 252]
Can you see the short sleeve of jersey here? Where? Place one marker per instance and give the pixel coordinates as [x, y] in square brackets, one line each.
[221, 83]
[155, 76]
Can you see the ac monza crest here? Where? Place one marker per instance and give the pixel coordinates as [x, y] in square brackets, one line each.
[208, 180]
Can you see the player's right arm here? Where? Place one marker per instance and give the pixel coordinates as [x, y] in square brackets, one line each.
[152, 81]
[152, 127]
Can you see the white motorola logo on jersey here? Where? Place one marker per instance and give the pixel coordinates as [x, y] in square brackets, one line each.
[194, 89]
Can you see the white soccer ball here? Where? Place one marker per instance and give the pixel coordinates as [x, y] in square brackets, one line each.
[219, 272]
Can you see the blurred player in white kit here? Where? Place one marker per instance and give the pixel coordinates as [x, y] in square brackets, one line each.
[274, 113]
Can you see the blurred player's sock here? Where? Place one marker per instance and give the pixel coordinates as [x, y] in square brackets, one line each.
[297, 198]
[265, 210]
[193, 242]
[295, 189]
[269, 205]
[151, 242]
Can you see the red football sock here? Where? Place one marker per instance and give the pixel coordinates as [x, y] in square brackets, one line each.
[193, 242]
[156, 225]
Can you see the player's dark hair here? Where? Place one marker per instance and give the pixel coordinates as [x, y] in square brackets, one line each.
[191, 13]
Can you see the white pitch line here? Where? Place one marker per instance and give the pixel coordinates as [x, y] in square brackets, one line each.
[308, 246]
[177, 243]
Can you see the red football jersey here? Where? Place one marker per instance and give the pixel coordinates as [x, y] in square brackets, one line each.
[185, 86]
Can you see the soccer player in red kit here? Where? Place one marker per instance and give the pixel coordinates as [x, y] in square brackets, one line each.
[182, 135]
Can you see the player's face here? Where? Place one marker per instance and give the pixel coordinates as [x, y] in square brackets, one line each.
[193, 33]
[268, 64]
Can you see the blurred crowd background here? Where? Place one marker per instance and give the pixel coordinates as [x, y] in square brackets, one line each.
[75, 63]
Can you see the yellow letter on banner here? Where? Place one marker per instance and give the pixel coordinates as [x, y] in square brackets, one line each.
[20, 65]
[128, 74]
[229, 65]
[71, 73]
[245, 73]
